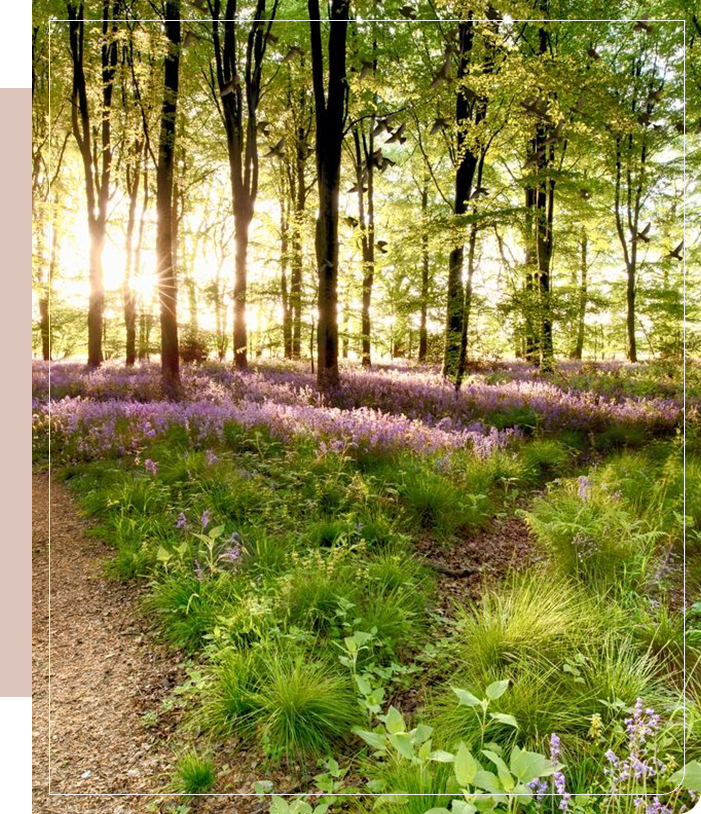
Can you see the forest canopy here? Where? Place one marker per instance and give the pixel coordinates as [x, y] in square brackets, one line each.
[371, 181]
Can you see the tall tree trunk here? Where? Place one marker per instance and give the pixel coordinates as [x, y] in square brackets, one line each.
[239, 116]
[97, 181]
[133, 175]
[330, 114]
[425, 274]
[582, 299]
[284, 292]
[365, 173]
[299, 195]
[467, 163]
[467, 305]
[167, 285]
[45, 300]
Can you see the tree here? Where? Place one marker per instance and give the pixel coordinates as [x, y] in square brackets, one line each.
[329, 114]
[165, 267]
[97, 182]
[240, 123]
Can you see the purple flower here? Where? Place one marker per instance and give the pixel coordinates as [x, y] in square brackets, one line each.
[211, 457]
[199, 573]
[205, 518]
[181, 522]
[539, 788]
[584, 488]
[150, 466]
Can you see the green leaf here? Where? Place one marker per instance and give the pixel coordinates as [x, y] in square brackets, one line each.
[402, 743]
[505, 777]
[217, 531]
[497, 689]
[528, 765]
[371, 738]
[441, 757]
[163, 555]
[688, 777]
[462, 807]
[503, 718]
[279, 805]
[467, 699]
[422, 733]
[363, 685]
[437, 811]
[465, 766]
[394, 721]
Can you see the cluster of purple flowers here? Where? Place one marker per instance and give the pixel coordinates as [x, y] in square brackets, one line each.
[539, 787]
[640, 764]
[411, 393]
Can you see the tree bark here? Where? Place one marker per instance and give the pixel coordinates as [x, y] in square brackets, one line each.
[365, 173]
[241, 138]
[425, 275]
[582, 300]
[284, 292]
[97, 182]
[467, 163]
[167, 284]
[133, 175]
[330, 114]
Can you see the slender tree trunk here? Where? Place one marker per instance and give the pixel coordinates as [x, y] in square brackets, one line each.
[425, 275]
[45, 300]
[240, 94]
[467, 305]
[582, 300]
[467, 163]
[364, 150]
[300, 201]
[128, 295]
[167, 285]
[97, 181]
[284, 292]
[329, 138]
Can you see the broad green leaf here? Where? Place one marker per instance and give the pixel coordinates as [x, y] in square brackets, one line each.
[527, 765]
[437, 811]
[363, 685]
[465, 766]
[503, 718]
[441, 757]
[371, 738]
[497, 689]
[217, 531]
[688, 777]
[394, 721]
[402, 743]
[278, 805]
[467, 699]
[462, 807]
[505, 777]
[422, 733]
[163, 555]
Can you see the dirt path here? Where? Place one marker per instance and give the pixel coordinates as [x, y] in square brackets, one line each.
[106, 673]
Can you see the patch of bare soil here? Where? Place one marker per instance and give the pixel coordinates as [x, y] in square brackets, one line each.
[106, 673]
[464, 566]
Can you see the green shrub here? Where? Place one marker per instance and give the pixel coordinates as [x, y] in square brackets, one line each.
[187, 609]
[590, 533]
[436, 503]
[293, 707]
[422, 787]
[194, 773]
[544, 616]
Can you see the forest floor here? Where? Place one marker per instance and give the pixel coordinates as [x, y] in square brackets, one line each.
[106, 673]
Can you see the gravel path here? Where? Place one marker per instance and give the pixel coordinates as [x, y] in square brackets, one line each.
[106, 673]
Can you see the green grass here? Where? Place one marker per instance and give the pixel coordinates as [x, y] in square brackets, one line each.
[194, 773]
[292, 706]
